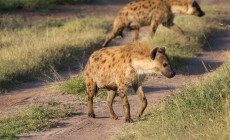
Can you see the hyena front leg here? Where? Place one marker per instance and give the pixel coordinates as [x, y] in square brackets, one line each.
[110, 98]
[177, 29]
[135, 33]
[141, 95]
[122, 93]
[155, 22]
[134, 27]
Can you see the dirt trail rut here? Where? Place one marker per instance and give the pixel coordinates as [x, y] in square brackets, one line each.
[81, 127]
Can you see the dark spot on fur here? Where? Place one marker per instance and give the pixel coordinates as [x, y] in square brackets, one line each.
[135, 8]
[96, 59]
[130, 60]
[103, 61]
[114, 59]
[126, 14]
[144, 6]
[109, 66]
[122, 56]
[124, 60]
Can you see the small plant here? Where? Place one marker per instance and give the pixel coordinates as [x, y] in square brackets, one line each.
[53, 103]
[74, 86]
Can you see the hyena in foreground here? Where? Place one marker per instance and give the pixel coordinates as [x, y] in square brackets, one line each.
[115, 68]
[151, 12]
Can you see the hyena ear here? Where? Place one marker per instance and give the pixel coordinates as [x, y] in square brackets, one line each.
[194, 4]
[153, 53]
[162, 50]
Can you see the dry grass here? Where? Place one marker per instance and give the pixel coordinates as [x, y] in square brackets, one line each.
[30, 50]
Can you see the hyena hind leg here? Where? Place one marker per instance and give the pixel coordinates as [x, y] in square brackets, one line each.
[91, 88]
[117, 31]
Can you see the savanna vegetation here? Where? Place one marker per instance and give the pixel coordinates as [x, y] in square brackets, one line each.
[36, 4]
[27, 51]
[34, 119]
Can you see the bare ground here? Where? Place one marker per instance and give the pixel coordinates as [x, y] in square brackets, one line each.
[102, 127]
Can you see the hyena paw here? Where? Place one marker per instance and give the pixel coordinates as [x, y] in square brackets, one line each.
[138, 118]
[115, 117]
[128, 120]
[91, 115]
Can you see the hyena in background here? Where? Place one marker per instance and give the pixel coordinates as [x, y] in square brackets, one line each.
[115, 68]
[151, 12]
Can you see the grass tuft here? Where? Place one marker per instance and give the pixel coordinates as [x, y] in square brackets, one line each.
[33, 119]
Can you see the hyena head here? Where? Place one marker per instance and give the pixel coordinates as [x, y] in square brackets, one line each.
[194, 9]
[162, 63]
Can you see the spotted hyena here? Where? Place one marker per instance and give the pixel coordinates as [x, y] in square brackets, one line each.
[115, 68]
[151, 12]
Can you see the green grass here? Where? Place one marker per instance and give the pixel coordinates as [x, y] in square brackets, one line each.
[201, 111]
[179, 50]
[33, 119]
[53, 103]
[36, 4]
[77, 86]
[28, 51]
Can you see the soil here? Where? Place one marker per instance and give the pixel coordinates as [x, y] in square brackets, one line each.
[102, 127]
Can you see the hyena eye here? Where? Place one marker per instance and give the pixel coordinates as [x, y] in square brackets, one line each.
[165, 65]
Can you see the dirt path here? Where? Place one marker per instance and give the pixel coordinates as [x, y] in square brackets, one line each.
[102, 127]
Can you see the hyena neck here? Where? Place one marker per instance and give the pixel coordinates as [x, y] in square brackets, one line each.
[179, 10]
[143, 67]
[178, 7]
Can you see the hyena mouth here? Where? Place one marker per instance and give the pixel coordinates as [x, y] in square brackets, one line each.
[169, 74]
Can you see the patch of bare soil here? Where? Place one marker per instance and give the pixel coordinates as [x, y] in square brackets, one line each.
[102, 127]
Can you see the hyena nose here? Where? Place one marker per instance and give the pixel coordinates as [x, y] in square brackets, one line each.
[173, 74]
[201, 14]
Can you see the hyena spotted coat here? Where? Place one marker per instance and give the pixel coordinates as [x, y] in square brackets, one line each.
[115, 68]
[151, 12]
